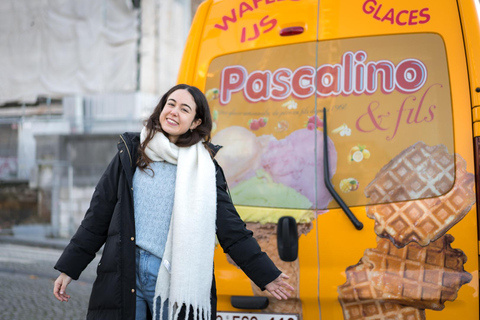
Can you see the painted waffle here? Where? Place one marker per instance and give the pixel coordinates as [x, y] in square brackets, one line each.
[360, 300]
[425, 220]
[418, 172]
[421, 277]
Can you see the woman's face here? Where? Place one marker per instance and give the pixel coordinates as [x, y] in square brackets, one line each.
[177, 117]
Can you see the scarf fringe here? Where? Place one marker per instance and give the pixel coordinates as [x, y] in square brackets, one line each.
[173, 311]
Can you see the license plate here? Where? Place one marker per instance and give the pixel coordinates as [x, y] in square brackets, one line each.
[223, 315]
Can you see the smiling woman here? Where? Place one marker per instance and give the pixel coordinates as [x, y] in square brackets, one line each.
[158, 209]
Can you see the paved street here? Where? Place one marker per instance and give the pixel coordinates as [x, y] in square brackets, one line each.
[26, 285]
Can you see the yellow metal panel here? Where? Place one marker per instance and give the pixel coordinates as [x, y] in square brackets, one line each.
[470, 12]
[343, 19]
[476, 114]
[476, 129]
[235, 26]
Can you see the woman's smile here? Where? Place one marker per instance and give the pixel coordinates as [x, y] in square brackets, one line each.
[172, 122]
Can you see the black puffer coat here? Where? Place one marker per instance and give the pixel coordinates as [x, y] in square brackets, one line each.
[110, 221]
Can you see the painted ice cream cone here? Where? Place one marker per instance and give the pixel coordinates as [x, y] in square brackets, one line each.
[266, 236]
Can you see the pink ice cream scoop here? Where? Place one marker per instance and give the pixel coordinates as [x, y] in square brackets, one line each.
[291, 161]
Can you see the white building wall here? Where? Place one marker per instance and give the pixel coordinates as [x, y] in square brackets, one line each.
[165, 27]
[61, 47]
[88, 53]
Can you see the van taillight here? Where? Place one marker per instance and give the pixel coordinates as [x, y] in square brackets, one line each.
[291, 31]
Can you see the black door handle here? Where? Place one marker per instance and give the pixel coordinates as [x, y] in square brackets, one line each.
[287, 238]
[247, 302]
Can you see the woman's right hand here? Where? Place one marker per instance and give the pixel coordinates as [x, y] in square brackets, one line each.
[279, 288]
[60, 287]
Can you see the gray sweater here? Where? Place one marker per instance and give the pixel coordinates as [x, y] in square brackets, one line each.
[153, 203]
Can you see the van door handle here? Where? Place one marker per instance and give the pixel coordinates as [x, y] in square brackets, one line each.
[287, 238]
[248, 302]
[326, 176]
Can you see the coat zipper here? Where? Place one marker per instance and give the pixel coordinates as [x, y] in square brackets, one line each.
[122, 232]
[128, 150]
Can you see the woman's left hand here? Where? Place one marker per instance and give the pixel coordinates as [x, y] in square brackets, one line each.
[279, 288]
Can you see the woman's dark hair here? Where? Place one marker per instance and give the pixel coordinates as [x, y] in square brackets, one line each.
[187, 139]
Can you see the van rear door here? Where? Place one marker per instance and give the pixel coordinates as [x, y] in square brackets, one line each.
[392, 77]
[256, 61]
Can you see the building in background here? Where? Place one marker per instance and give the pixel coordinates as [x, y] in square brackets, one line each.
[74, 74]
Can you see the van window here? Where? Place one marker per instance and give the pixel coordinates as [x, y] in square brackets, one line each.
[389, 121]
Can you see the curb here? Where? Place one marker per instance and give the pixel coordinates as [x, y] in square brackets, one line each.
[35, 242]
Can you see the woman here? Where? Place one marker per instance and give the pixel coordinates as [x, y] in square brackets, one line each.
[157, 209]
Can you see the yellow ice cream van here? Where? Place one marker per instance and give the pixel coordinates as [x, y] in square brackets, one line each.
[351, 141]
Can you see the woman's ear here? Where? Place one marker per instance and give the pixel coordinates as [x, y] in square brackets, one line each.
[195, 124]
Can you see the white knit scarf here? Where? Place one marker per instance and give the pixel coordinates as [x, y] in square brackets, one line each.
[185, 275]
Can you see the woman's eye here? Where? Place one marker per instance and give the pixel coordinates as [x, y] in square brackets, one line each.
[185, 110]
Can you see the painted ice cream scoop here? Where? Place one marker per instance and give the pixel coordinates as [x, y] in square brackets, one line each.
[262, 191]
[293, 163]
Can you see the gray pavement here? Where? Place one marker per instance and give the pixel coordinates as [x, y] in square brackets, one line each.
[27, 277]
